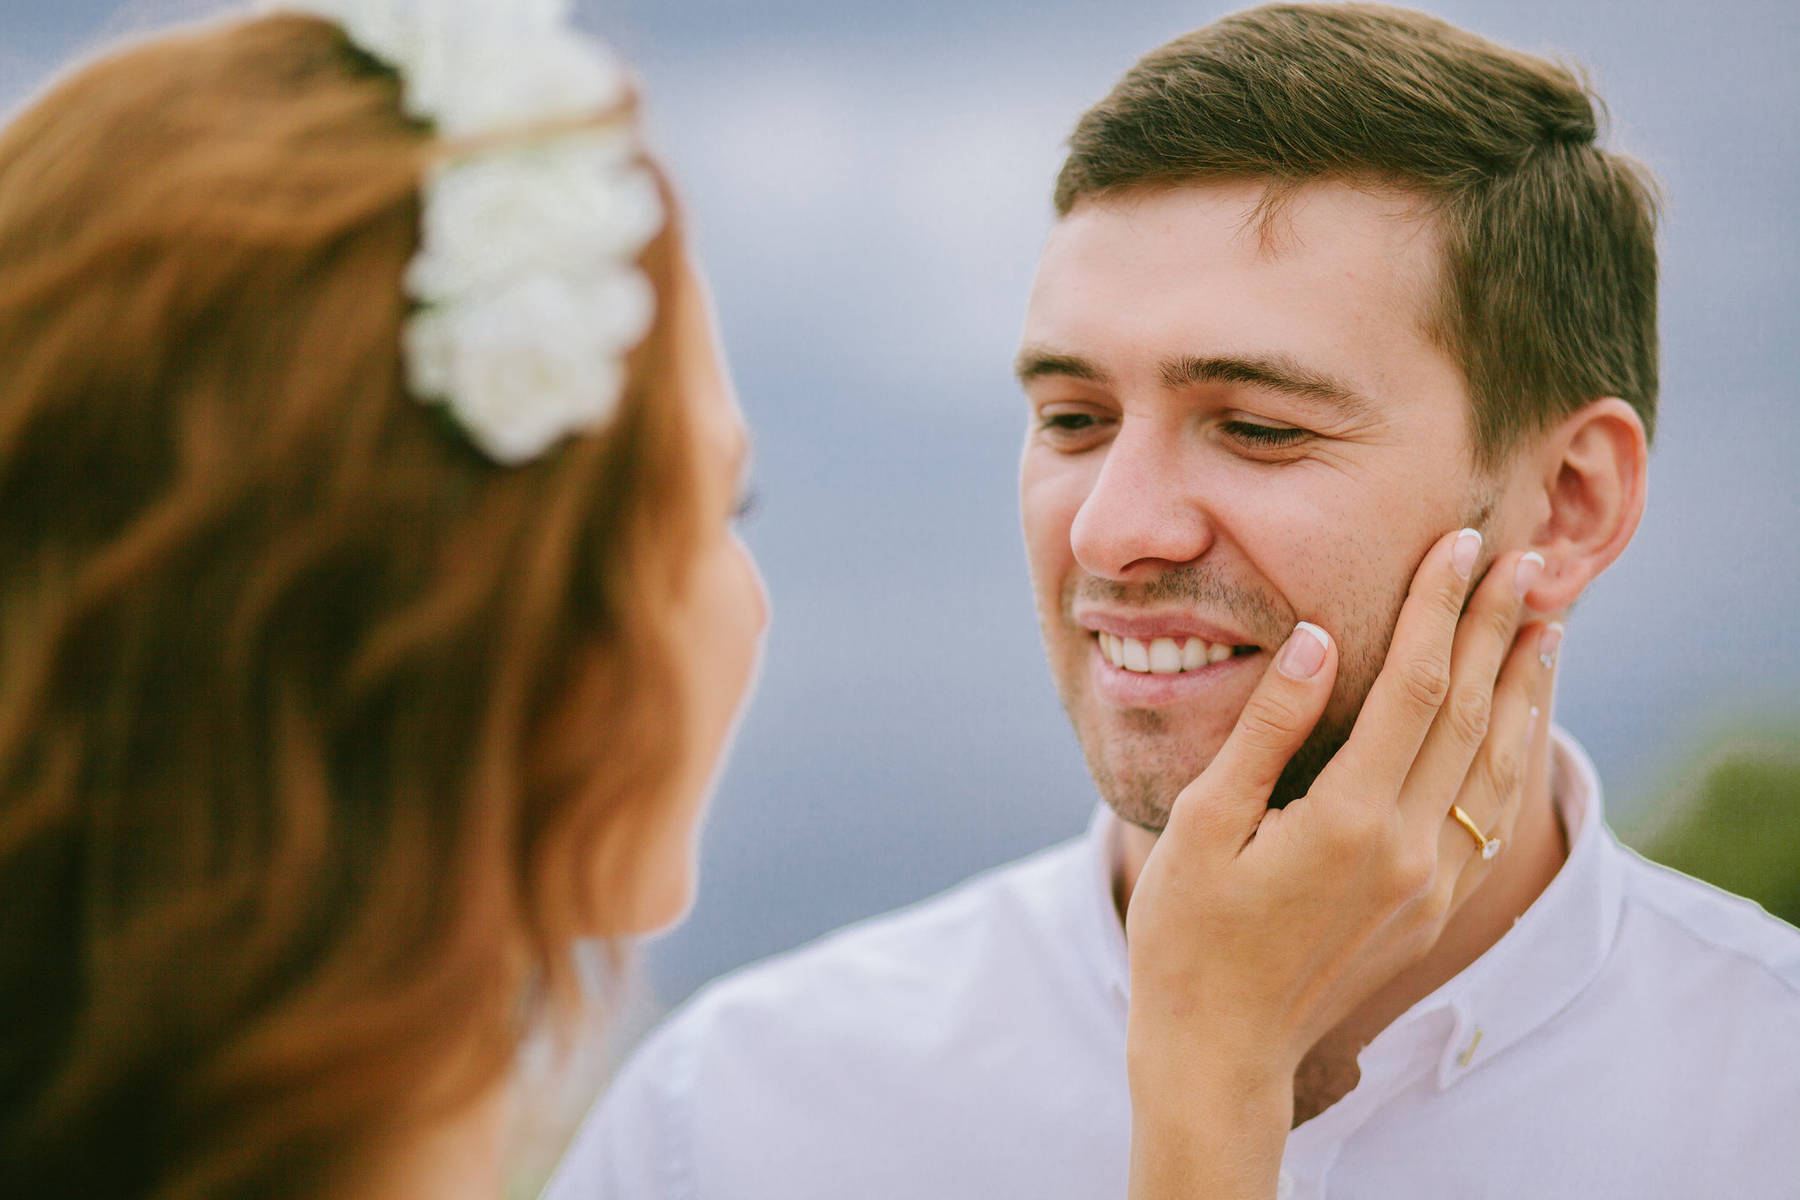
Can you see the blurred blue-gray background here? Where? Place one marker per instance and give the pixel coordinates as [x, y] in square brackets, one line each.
[869, 185]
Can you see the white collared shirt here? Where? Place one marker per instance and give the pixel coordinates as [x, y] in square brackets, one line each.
[1635, 1034]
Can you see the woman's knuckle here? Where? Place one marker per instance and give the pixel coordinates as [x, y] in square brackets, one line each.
[1427, 681]
[1348, 834]
[1499, 624]
[1268, 723]
[1450, 599]
[1413, 874]
[1502, 772]
[1469, 712]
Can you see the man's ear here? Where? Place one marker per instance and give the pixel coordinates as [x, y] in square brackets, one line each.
[1589, 471]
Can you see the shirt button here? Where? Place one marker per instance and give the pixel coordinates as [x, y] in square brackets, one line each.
[1284, 1187]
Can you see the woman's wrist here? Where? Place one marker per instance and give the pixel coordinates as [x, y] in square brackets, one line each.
[1224, 1054]
[1206, 1138]
[1184, 1086]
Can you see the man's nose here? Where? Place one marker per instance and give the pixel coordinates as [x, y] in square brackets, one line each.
[1145, 511]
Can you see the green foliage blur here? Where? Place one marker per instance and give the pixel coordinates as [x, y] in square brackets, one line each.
[1733, 819]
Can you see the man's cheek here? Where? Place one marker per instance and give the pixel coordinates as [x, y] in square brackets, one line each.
[1363, 649]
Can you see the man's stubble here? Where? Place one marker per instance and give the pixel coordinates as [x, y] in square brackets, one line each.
[1143, 796]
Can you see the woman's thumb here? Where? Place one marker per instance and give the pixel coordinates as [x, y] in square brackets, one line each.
[1234, 789]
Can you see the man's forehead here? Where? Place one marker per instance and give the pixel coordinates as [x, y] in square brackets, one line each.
[1267, 210]
[1373, 248]
[1354, 224]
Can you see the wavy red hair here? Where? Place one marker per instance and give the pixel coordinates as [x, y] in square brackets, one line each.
[285, 875]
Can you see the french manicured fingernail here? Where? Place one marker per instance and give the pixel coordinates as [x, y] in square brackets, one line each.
[1549, 642]
[1466, 550]
[1304, 652]
[1527, 572]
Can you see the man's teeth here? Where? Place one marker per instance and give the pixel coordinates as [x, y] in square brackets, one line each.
[1162, 656]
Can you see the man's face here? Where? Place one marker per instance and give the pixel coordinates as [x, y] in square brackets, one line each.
[1233, 428]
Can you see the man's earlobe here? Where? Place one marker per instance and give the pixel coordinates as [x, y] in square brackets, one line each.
[1593, 473]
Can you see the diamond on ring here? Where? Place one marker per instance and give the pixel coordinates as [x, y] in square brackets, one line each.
[1489, 846]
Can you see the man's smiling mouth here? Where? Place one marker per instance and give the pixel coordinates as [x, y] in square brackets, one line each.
[1165, 656]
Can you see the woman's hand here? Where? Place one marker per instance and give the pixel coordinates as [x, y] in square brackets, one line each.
[1254, 931]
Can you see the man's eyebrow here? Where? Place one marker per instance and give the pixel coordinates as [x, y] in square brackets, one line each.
[1275, 373]
[1034, 363]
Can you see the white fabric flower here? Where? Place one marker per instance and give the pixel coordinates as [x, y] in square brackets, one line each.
[527, 279]
[528, 364]
[475, 86]
[478, 66]
[578, 203]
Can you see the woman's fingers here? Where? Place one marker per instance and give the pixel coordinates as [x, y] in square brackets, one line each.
[1232, 794]
[1516, 747]
[1487, 629]
[1415, 679]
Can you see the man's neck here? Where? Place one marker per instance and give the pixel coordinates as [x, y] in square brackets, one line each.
[1534, 854]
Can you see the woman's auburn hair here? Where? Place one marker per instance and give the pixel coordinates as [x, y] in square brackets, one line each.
[288, 874]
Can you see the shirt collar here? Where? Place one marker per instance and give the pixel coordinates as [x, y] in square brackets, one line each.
[1536, 968]
[1101, 855]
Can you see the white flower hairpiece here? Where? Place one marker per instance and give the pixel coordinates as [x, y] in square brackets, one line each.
[527, 282]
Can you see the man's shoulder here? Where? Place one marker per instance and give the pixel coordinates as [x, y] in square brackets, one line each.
[988, 1008]
[1698, 996]
[901, 1017]
[1702, 926]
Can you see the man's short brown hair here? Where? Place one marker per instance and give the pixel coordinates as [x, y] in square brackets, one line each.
[1548, 299]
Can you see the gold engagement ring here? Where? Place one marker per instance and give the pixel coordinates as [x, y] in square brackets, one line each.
[1489, 846]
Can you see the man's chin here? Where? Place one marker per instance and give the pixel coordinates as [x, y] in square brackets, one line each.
[1131, 764]
[1144, 798]
[1140, 799]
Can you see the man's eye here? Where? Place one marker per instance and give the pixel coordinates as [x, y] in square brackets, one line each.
[1067, 422]
[1267, 436]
